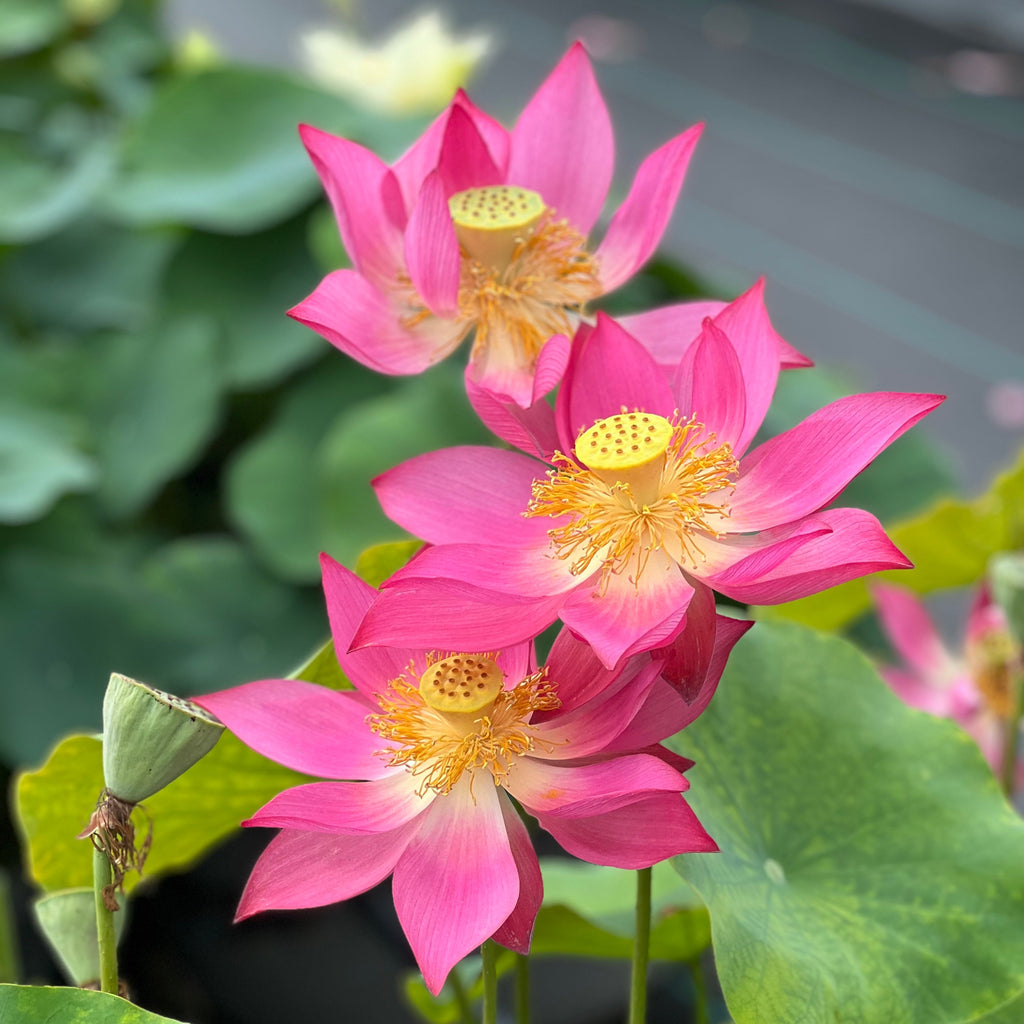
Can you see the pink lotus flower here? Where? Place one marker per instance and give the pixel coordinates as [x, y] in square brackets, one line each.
[438, 742]
[651, 495]
[973, 689]
[477, 228]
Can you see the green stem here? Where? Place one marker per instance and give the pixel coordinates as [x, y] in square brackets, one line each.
[1010, 740]
[461, 999]
[489, 952]
[102, 876]
[10, 966]
[522, 989]
[701, 989]
[641, 948]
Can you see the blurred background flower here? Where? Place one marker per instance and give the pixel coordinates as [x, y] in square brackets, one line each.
[415, 70]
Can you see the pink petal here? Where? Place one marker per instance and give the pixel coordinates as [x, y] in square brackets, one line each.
[624, 838]
[594, 727]
[432, 250]
[667, 332]
[562, 145]
[984, 616]
[709, 385]
[348, 808]
[578, 671]
[517, 931]
[527, 571]
[662, 714]
[348, 599]
[464, 495]
[362, 321]
[576, 791]
[531, 429]
[451, 615]
[910, 630]
[312, 869]
[424, 154]
[630, 617]
[919, 692]
[804, 468]
[608, 370]
[457, 881]
[302, 726]
[465, 161]
[366, 199]
[639, 223]
[854, 545]
[745, 323]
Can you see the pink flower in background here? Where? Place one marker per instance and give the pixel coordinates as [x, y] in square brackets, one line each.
[972, 689]
[651, 495]
[477, 228]
[430, 746]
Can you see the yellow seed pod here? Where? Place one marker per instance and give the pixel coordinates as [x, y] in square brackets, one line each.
[463, 683]
[490, 222]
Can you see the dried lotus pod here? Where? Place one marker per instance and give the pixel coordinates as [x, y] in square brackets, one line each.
[150, 738]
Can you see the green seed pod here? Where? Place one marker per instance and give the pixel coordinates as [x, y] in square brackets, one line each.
[150, 738]
[68, 920]
[1006, 571]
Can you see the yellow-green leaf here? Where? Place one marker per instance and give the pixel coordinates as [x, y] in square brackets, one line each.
[950, 546]
[190, 816]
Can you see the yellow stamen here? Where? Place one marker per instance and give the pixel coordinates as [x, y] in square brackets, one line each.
[610, 523]
[992, 658]
[490, 222]
[440, 744]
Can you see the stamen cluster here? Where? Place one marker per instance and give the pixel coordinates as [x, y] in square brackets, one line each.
[439, 746]
[607, 523]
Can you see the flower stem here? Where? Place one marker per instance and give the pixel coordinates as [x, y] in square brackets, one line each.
[102, 876]
[701, 989]
[1010, 740]
[489, 953]
[641, 948]
[461, 999]
[10, 967]
[522, 989]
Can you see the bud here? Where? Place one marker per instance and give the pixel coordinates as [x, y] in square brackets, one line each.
[68, 920]
[150, 738]
[1006, 571]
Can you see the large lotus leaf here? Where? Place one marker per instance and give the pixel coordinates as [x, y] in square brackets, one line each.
[88, 277]
[194, 616]
[245, 285]
[40, 459]
[950, 545]
[590, 911]
[195, 812]
[905, 478]
[155, 399]
[870, 868]
[40, 194]
[220, 150]
[28, 1004]
[304, 486]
